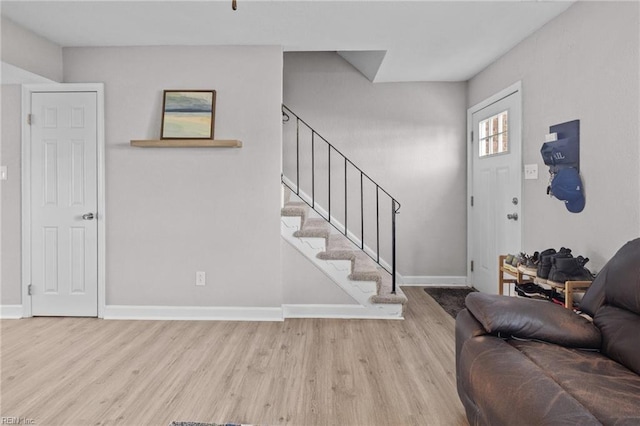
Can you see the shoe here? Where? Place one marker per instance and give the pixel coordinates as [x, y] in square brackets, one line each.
[533, 291]
[530, 264]
[508, 263]
[544, 267]
[569, 269]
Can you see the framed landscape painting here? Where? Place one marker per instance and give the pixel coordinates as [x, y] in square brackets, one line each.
[188, 114]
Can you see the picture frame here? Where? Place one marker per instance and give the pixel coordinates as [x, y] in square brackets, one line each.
[188, 114]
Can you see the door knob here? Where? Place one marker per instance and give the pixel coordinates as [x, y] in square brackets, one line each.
[87, 216]
[512, 216]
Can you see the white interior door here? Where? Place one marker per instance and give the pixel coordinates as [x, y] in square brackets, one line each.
[496, 164]
[64, 232]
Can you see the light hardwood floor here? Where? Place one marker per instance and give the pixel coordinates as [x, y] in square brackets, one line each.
[66, 371]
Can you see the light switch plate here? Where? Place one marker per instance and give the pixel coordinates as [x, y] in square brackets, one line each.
[531, 171]
[201, 278]
[3, 172]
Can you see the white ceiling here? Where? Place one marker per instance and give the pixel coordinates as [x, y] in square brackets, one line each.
[423, 40]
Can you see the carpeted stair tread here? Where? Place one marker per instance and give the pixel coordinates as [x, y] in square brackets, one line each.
[340, 242]
[296, 204]
[316, 222]
[363, 263]
[293, 209]
[314, 228]
[338, 248]
[384, 293]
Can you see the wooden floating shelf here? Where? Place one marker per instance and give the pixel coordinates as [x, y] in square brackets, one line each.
[187, 143]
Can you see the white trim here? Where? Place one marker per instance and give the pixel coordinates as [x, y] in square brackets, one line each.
[332, 311]
[27, 90]
[514, 88]
[26, 201]
[432, 281]
[192, 313]
[10, 311]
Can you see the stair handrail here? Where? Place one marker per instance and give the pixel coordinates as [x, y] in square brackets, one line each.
[395, 205]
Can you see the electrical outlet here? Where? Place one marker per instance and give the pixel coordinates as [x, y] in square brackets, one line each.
[531, 171]
[201, 278]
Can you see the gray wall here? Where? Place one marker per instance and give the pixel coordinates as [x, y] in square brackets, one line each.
[409, 137]
[303, 283]
[172, 212]
[10, 290]
[29, 51]
[582, 65]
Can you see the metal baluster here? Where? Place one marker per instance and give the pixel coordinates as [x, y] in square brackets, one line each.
[345, 196]
[313, 170]
[329, 174]
[377, 223]
[297, 156]
[361, 213]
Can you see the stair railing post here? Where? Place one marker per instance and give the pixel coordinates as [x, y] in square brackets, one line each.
[393, 246]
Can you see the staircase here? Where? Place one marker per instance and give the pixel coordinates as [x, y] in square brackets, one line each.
[327, 242]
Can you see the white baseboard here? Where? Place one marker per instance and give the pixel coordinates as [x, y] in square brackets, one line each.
[431, 281]
[10, 311]
[340, 311]
[193, 313]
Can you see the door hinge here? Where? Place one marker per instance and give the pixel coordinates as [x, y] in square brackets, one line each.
[29, 119]
[472, 201]
[472, 266]
[472, 136]
[30, 289]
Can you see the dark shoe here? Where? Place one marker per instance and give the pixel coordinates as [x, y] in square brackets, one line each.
[569, 269]
[533, 290]
[544, 264]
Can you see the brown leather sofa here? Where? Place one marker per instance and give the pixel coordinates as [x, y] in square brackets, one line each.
[529, 362]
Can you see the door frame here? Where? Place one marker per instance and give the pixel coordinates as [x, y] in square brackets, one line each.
[508, 91]
[27, 91]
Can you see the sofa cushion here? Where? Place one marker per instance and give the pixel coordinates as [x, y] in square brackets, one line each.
[620, 335]
[607, 389]
[593, 299]
[619, 279]
[507, 388]
[623, 279]
[532, 319]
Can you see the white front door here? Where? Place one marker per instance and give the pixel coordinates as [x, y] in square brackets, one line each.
[64, 232]
[496, 163]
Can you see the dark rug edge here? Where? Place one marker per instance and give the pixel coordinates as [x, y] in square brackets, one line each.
[451, 299]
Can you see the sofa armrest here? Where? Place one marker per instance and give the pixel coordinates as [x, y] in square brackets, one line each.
[533, 319]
